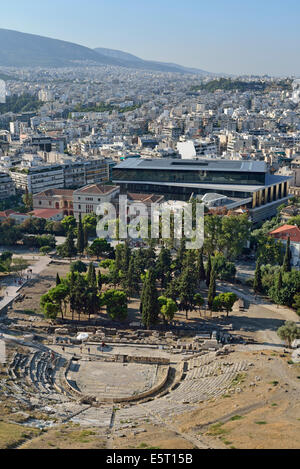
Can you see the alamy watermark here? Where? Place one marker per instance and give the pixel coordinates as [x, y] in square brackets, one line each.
[2, 92]
[156, 221]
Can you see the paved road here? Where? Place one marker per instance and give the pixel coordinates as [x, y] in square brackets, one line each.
[262, 317]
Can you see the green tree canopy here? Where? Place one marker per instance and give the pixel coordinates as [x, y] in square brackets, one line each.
[78, 266]
[116, 304]
[289, 332]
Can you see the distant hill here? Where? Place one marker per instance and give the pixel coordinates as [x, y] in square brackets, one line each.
[131, 61]
[29, 50]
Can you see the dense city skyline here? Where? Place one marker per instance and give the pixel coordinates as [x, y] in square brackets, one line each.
[218, 37]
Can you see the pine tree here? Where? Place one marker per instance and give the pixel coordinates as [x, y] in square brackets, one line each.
[58, 280]
[150, 308]
[208, 271]
[212, 288]
[287, 258]
[257, 284]
[80, 237]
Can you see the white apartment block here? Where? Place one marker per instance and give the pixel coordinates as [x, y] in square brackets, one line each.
[7, 187]
[38, 178]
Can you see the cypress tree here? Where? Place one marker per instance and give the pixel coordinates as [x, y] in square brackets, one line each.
[149, 301]
[187, 285]
[85, 237]
[212, 288]
[91, 276]
[208, 271]
[69, 247]
[126, 257]
[257, 284]
[279, 281]
[131, 280]
[287, 258]
[181, 254]
[99, 281]
[200, 267]
[119, 257]
[72, 290]
[163, 266]
[80, 237]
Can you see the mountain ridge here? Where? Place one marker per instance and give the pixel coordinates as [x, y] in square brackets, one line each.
[132, 60]
[30, 50]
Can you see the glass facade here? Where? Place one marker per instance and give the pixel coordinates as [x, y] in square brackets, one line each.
[178, 193]
[193, 176]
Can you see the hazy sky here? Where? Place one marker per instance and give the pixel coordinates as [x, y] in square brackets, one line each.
[230, 36]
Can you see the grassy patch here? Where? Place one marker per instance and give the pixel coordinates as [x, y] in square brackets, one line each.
[12, 435]
[67, 437]
[236, 417]
[262, 422]
[145, 446]
[217, 429]
[240, 378]
[226, 442]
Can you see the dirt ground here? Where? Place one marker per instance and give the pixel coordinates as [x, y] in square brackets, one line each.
[263, 414]
[69, 436]
[154, 437]
[30, 306]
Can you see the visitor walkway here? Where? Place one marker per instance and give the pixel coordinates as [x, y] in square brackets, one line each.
[13, 289]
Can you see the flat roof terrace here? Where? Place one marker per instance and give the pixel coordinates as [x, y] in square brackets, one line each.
[196, 165]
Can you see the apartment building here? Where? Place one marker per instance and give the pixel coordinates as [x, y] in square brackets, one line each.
[59, 176]
[7, 187]
[83, 173]
[37, 178]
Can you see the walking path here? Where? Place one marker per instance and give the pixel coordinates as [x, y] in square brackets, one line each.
[13, 289]
[259, 301]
